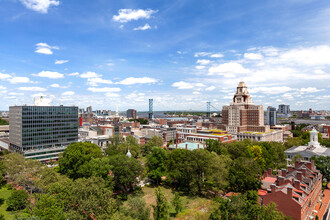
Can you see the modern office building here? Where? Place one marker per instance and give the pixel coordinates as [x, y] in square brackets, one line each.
[131, 113]
[271, 116]
[42, 132]
[244, 120]
[284, 109]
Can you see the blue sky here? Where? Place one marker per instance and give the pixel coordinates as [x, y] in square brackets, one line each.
[180, 53]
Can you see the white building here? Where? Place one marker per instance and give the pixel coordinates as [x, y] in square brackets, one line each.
[312, 149]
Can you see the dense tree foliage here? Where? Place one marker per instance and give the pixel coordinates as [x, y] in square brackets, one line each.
[119, 145]
[323, 164]
[136, 209]
[17, 200]
[3, 122]
[156, 164]
[177, 203]
[155, 141]
[75, 156]
[244, 207]
[161, 209]
[125, 171]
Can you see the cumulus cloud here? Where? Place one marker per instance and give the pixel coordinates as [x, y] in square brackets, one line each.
[208, 54]
[68, 93]
[35, 89]
[126, 15]
[310, 90]
[211, 88]
[17, 79]
[133, 80]
[40, 6]
[253, 56]
[271, 89]
[227, 69]
[104, 89]
[61, 61]
[89, 75]
[187, 85]
[199, 67]
[95, 81]
[44, 48]
[142, 28]
[3, 88]
[203, 62]
[74, 74]
[4, 76]
[49, 74]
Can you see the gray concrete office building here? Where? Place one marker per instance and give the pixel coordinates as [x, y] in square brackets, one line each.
[42, 132]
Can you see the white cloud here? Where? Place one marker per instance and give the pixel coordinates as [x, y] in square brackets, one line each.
[4, 76]
[211, 88]
[55, 85]
[196, 93]
[319, 71]
[227, 69]
[310, 89]
[142, 28]
[187, 85]
[95, 81]
[35, 89]
[200, 67]
[133, 80]
[253, 56]
[136, 96]
[68, 93]
[40, 5]
[2, 88]
[203, 62]
[44, 48]
[74, 74]
[61, 61]
[204, 54]
[49, 74]
[17, 79]
[271, 90]
[16, 93]
[109, 94]
[126, 15]
[104, 89]
[216, 55]
[89, 75]
[38, 94]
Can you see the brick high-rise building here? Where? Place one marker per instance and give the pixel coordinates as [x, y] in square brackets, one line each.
[131, 113]
[245, 120]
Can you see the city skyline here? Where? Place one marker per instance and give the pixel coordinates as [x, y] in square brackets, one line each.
[107, 54]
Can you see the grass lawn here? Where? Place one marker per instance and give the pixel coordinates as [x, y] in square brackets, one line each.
[194, 207]
[4, 194]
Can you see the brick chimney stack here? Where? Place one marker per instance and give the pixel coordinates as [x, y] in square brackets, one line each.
[289, 192]
[299, 176]
[280, 180]
[273, 188]
[265, 173]
[304, 171]
[296, 184]
[284, 172]
[270, 171]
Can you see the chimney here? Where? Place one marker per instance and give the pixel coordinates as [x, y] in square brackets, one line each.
[296, 184]
[273, 188]
[304, 171]
[186, 146]
[312, 165]
[198, 146]
[299, 176]
[284, 171]
[280, 180]
[265, 173]
[289, 192]
[297, 163]
[269, 171]
[308, 165]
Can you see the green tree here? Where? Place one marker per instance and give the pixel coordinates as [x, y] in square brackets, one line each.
[323, 164]
[90, 199]
[125, 171]
[244, 174]
[295, 141]
[156, 164]
[161, 209]
[137, 209]
[3, 122]
[48, 207]
[17, 200]
[118, 145]
[75, 156]
[99, 167]
[155, 141]
[177, 203]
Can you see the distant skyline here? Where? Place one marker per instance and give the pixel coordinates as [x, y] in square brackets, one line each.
[180, 53]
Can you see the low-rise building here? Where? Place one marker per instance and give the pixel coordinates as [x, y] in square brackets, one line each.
[296, 190]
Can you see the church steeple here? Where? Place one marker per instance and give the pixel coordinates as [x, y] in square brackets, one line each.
[242, 96]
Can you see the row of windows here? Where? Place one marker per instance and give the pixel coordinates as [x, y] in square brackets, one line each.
[48, 142]
[40, 153]
[49, 126]
[46, 137]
